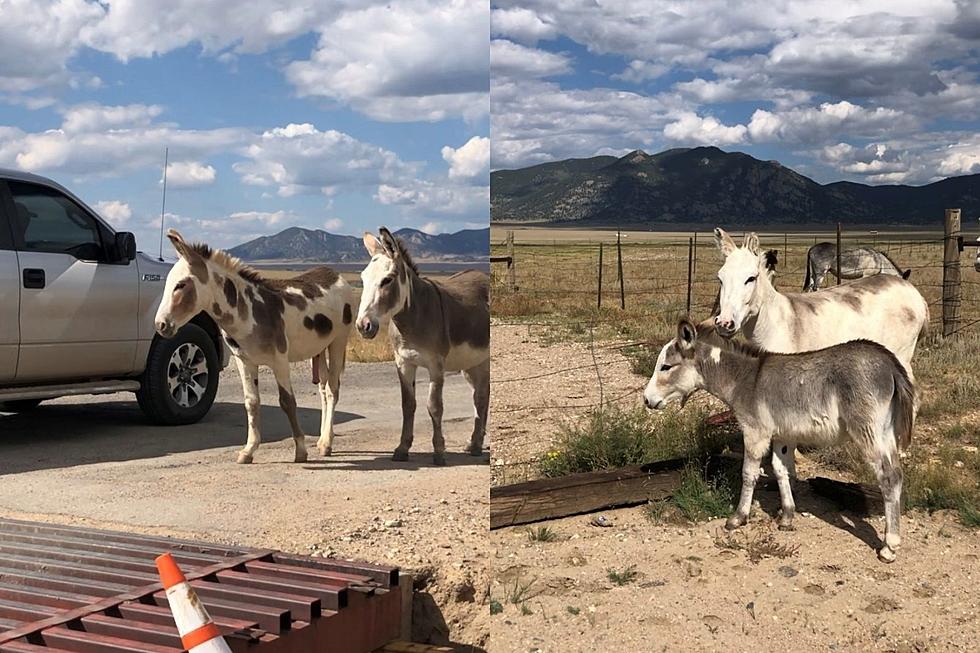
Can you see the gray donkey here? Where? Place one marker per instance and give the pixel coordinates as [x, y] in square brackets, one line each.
[855, 392]
[854, 263]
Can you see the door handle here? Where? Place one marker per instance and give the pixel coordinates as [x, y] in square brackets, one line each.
[33, 278]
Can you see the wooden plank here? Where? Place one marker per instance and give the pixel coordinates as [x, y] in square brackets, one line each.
[523, 503]
[411, 647]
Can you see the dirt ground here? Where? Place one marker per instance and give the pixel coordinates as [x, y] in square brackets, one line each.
[94, 461]
[690, 593]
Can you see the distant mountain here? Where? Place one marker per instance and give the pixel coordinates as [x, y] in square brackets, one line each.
[706, 184]
[299, 244]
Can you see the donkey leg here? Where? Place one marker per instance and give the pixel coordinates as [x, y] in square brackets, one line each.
[782, 456]
[436, 380]
[888, 468]
[479, 379]
[249, 374]
[330, 393]
[287, 401]
[406, 379]
[750, 474]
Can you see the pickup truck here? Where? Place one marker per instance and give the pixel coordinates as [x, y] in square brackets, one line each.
[76, 311]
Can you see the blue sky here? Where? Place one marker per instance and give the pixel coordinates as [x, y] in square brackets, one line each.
[337, 114]
[876, 91]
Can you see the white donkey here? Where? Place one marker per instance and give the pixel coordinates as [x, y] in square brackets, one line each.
[270, 322]
[854, 392]
[443, 326]
[881, 308]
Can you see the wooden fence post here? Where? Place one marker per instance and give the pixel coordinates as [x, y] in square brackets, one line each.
[512, 263]
[690, 264]
[951, 272]
[785, 250]
[619, 263]
[838, 254]
[599, 292]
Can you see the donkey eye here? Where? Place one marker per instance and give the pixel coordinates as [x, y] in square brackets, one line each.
[665, 367]
[179, 285]
[385, 281]
[750, 280]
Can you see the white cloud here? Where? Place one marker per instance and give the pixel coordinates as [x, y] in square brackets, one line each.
[469, 161]
[432, 228]
[641, 71]
[692, 129]
[302, 159]
[826, 122]
[424, 61]
[91, 117]
[520, 24]
[333, 224]
[508, 59]
[116, 212]
[188, 174]
[960, 159]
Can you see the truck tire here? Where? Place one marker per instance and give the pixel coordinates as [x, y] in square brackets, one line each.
[181, 378]
[19, 405]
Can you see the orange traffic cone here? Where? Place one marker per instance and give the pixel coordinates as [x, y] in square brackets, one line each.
[198, 634]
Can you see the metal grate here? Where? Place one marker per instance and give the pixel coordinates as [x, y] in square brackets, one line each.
[64, 588]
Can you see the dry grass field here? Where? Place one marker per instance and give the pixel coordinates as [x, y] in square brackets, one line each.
[556, 297]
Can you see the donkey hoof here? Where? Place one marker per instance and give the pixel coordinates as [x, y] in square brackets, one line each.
[325, 451]
[244, 458]
[733, 522]
[439, 459]
[475, 450]
[300, 457]
[885, 554]
[399, 455]
[788, 526]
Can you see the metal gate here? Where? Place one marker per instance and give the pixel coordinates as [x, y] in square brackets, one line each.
[65, 588]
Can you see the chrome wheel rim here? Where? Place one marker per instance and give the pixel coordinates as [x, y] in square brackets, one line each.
[187, 375]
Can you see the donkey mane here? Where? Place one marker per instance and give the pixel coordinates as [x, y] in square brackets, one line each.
[890, 260]
[708, 332]
[403, 252]
[230, 263]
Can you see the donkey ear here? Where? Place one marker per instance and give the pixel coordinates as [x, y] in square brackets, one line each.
[179, 243]
[772, 259]
[751, 242]
[686, 333]
[371, 244]
[388, 242]
[724, 241]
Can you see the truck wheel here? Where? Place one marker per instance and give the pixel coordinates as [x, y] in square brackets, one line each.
[19, 405]
[181, 377]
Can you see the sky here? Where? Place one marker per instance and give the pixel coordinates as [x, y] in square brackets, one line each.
[338, 114]
[876, 91]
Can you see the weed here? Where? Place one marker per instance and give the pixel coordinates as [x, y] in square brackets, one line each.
[496, 607]
[572, 610]
[541, 534]
[521, 593]
[624, 577]
[757, 542]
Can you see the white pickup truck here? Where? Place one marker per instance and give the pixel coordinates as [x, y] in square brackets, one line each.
[76, 311]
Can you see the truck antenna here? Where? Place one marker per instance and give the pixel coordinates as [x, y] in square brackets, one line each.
[163, 208]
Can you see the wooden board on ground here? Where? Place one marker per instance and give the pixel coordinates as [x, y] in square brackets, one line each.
[550, 498]
[411, 647]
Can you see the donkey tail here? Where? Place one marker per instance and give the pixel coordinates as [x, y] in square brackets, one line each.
[809, 271]
[903, 407]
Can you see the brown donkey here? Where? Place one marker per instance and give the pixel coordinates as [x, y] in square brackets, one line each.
[269, 322]
[443, 326]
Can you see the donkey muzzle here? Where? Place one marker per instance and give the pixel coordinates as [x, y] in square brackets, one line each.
[367, 327]
[165, 329]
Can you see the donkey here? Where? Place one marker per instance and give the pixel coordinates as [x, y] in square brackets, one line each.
[855, 264]
[882, 308]
[443, 326]
[856, 392]
[270, 322]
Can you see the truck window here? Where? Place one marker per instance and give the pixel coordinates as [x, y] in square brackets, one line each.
[45, 220]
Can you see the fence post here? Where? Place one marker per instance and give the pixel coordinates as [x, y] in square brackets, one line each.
[599, 292]
[694, 267]
[619, 264]
[838, 254]
[690, 263]
[512, 263]
[785, 251]
[951, 272]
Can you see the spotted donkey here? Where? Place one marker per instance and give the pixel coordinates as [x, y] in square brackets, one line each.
[269, 322]
[443, 326]
[856, 392]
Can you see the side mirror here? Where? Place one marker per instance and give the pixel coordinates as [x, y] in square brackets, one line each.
[125, 246]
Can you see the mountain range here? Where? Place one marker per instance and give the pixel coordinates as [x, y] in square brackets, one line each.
[706, 184]
[299, 244]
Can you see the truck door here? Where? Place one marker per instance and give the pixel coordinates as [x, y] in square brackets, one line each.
[9, 302]
[78, 308]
